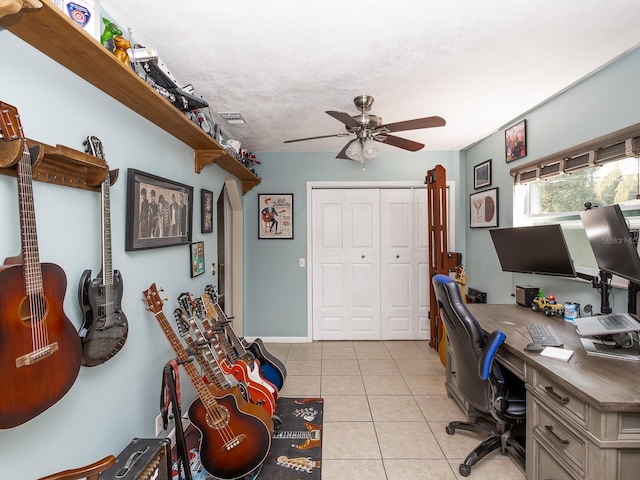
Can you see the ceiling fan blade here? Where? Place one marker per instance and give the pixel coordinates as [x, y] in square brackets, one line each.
[427, 122]
[343, 117]
[321, 136]
[400, 143]
[343, 153]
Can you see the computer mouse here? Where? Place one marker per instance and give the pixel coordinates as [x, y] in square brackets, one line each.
[534, 348]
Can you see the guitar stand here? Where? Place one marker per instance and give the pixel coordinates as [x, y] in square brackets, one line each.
[169, 382]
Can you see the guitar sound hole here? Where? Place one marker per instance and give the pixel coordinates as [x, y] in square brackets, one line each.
[32, 309]
[218, 417]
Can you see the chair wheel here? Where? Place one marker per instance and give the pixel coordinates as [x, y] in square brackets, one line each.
[450, 430]
[465, 470]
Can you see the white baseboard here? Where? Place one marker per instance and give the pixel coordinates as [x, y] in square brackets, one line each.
[280, 339]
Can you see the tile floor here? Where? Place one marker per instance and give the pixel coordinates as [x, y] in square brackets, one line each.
[385, 411]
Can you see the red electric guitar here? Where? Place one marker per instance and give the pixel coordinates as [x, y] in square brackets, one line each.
[40, 352]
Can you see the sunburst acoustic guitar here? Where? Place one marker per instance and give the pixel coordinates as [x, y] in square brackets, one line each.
[40, 352]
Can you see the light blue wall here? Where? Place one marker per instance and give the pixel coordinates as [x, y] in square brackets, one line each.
[112, 403]
[605, 102]
[275, 290]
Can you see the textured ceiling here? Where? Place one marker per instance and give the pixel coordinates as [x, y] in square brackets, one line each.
[281, 64]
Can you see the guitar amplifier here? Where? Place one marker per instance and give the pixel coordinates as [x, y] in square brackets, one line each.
[142, 459]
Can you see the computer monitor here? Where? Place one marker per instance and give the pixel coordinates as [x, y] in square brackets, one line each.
[611, 242]
[539, 249]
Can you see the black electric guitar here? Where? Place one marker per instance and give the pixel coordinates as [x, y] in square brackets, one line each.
[105, 327]
[39, 348]
[271, 368]
[233, 443]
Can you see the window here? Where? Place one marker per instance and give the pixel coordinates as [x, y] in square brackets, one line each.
[555, 188]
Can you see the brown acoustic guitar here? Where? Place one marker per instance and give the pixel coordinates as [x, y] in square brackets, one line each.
[233, 443]
[40, 352]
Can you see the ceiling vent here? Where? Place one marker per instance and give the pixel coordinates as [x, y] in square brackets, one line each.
[233, 118]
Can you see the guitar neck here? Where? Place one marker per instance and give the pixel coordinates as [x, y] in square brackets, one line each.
[155, 304]
[107, 267]
[31, 257]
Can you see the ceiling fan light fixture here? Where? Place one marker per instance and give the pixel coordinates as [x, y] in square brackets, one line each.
[370, 149]
[354, 152]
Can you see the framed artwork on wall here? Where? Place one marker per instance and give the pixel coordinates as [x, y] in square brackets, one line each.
[484, 208]
[276, 216]
[206, 211]
[197, 259]
[515, 141]
[159, 212]
[482, 175]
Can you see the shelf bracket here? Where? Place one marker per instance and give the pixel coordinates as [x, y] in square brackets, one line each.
[9, 7]
[206, 157]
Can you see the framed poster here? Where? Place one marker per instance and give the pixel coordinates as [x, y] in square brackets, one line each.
[515, 141]
[276, 216]
[206, 211]
[484, 208]
[197, 259]
[482, 175]
[159, 212]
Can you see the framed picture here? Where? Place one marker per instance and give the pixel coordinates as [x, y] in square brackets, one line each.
[206, 211]
[197, 259]
[515, 141]
[276, 215]
[482, 175]
[159, 212]
[484, 208]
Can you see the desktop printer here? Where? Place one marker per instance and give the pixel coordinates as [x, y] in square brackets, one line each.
[525, 294]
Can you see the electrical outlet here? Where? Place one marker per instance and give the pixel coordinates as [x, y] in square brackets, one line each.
[301, 262]
[159, 425]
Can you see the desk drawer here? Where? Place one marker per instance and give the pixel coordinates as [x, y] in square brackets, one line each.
[553, 394]
[513, 363]
[567, 444]
[548, 468]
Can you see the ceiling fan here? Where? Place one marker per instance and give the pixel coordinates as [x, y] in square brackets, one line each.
[368, 129]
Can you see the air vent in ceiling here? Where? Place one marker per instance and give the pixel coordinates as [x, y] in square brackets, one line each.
[233, 118]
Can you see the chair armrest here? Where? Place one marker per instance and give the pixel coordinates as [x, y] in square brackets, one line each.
[88, 471]
[489, 351]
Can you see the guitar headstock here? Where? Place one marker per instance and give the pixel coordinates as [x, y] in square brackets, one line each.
[152, 297]
[181, 322]
[212, 292]
[10, 126]
[93, 146]
[185, 301]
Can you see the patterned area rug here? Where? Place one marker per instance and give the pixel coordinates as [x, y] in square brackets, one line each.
[296, 448]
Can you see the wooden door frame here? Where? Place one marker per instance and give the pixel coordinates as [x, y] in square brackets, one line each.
[366, 184]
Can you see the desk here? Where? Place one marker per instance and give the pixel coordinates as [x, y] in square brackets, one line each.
[583, 416]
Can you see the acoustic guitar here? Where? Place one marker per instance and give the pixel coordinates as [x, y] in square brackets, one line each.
[271, 368]
[40, 351]
[105, 327]
[233, 443]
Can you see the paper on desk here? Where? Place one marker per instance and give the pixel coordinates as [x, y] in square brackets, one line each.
[556, 352]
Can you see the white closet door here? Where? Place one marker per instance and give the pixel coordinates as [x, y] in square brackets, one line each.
[404, 260]
[346, 264]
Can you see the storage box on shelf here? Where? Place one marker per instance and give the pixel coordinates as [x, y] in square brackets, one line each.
[50, 31]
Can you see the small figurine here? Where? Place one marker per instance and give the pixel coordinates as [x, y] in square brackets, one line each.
[121, 45]
[110, 30]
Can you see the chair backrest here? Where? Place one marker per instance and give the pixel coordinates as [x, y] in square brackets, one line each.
[467, 341]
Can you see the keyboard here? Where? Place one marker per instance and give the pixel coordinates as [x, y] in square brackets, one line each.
[544, 335]
[614, 322]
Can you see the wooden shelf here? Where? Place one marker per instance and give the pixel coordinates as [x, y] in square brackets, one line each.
[59, 165]
[54, 34]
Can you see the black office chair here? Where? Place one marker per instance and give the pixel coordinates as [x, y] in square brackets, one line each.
[496, 396]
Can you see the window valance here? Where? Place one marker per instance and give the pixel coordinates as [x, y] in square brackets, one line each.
[613, 146]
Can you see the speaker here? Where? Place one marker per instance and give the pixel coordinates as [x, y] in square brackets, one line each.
[142, 459]
[525, 294]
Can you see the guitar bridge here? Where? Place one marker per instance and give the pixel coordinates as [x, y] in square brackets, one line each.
[234, 442]
[36, 356]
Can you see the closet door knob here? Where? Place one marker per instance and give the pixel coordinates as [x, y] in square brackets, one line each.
[397, 256]
[362, 256]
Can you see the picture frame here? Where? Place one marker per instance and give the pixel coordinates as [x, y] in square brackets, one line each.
[275, 216]
[196, 259]
[482, 175]
[152, 221]
[484, 208]
[515, 141]
[206, 211]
